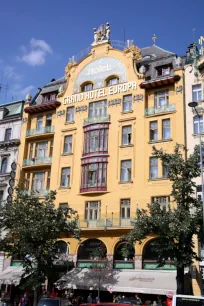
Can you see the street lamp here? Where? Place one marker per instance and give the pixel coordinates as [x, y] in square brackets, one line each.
[193, 105]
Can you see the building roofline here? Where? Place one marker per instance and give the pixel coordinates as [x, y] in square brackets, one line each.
[11, 103]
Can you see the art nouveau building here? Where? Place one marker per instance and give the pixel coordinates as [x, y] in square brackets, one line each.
[89, 136]
[10, 129]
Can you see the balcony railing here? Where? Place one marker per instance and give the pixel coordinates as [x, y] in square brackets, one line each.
[107, 223]
[43, 130]
[161, 109]
[99, 119]
[37, 193]
[37, 161]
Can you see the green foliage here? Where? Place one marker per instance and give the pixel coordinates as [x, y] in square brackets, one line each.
[31, 228]
[176, 225]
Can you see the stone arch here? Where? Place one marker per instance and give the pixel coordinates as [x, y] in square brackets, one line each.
[61, 247]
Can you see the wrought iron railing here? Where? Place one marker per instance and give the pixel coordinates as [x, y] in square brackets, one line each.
[37, 193]
[161, 109]
[37, 161]
[100, 119]
[107, 223]
[43, 130]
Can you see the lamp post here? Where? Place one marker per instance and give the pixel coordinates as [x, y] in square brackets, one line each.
[193, 105]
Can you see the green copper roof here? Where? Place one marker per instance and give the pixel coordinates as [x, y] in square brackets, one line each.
[12, 109]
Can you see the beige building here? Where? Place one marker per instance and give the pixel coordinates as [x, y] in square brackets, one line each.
[89, 136]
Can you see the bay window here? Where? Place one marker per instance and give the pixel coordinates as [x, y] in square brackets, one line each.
[96, 141]
[94, 176]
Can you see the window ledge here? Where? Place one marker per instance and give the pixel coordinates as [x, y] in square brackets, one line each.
[198, 135]
[158, 179]
[158, 141]
[160, 114]
[126, 146]
[62, 187]
[66, 154]
[126, 112]
[69, 122]
[126, 182]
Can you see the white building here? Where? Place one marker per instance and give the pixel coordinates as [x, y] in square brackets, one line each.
[10, 129]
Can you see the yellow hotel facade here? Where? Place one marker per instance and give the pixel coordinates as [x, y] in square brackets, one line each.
[89, 136]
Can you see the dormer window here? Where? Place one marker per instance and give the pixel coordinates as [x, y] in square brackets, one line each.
[164, 71]
[49, 97]
[87, 86]
[112, 81]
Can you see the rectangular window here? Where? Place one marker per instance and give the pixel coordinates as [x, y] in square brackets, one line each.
[31, 150]
[161, 99]
[98, 109]
[164, 71]
[48, 179]
[7, 136]
[27, 181]
[49, 120]
[199, 192]
[92, 210]
[153, 167]
[126, 171]
[38, 181]
[51, 148]
[127, 103]
[41, 149]
[70, 114]
[65, 177]
[63, 205]
[197, 93]
[126, 135]
[39, 122]
[1, 195]
[166, 130]
[125, 208]
[153, 130]
[164, 201]
[96, 141]
[165, 170]
[198, 127]
[68, 144]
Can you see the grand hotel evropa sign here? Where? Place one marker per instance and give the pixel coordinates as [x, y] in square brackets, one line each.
[100, 93]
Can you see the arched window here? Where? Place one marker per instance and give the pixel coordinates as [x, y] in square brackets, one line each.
[196, 127]
[87, 86]
[92, 249]
[113, 80]
[4, 163]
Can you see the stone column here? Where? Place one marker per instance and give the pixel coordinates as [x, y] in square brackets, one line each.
[138, 262]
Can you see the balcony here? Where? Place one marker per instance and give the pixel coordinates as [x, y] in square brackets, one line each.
[41, 131]
[37, 193]
[37, 161]
[163, 109]
[107, 223]
[92, 120]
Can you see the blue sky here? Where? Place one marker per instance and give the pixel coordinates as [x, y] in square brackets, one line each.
[38, 37]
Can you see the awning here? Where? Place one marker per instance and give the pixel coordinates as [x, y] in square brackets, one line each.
[138, 281]
[11, 275]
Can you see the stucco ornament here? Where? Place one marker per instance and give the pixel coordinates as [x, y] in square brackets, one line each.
[102, 34]
[69, 66]
[134, 52]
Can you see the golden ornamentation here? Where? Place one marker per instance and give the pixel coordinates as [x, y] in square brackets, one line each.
[68, 68]
[134, 51]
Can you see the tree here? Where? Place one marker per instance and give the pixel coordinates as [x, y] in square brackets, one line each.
[175, 226]
[31, 227]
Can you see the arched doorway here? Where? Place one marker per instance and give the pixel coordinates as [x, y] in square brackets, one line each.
[91, 250]
[124, 254]
[150, 257]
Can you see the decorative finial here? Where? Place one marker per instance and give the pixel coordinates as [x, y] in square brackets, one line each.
[154, 38]
[28, 97]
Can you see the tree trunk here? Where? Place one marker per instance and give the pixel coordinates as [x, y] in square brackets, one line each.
[180, 280]
[35, 301]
